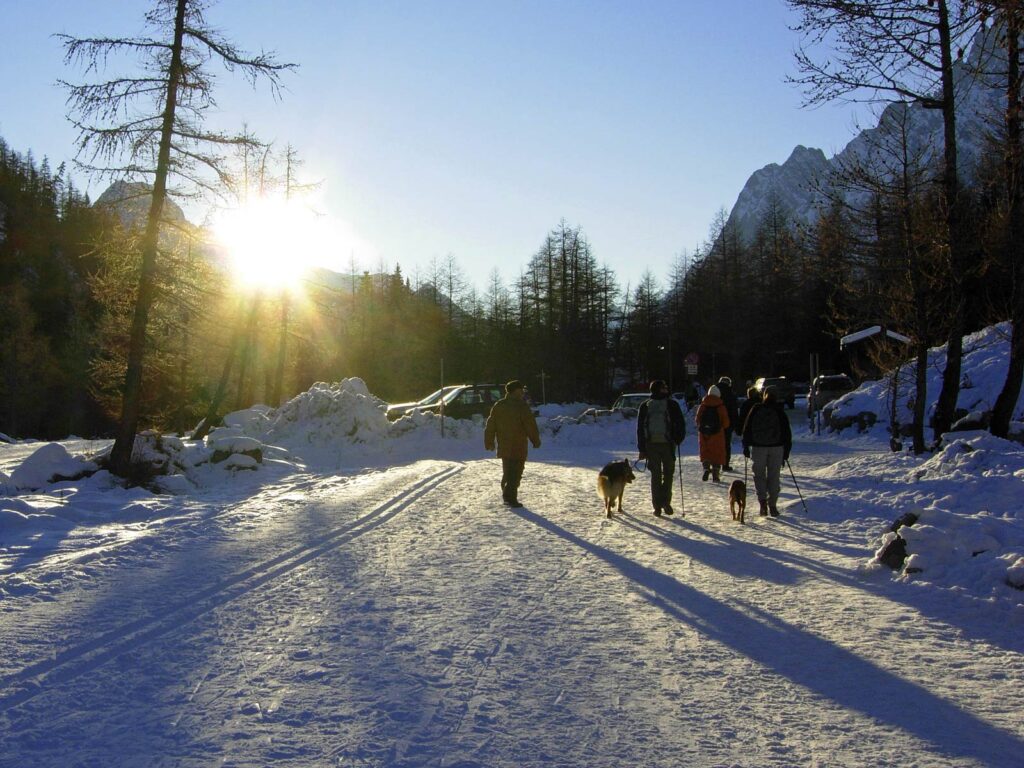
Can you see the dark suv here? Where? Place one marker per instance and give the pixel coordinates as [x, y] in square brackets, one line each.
[784, 390]
[466, 401]
[825, 389]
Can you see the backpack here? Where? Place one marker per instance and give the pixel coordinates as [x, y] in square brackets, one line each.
[710, 422]
[764, 426]
[658, 420]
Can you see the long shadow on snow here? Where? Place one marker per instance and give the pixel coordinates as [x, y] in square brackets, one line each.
[952, 609]
[119, 685]
[811, 662]
[944, 605]
[755, 563]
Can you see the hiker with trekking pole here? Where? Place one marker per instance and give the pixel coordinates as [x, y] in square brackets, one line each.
[660, 428]
[767, 441]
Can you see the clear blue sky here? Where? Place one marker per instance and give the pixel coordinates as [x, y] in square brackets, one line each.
[472, 127]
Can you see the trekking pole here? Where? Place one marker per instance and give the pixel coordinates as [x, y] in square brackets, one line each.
[797, 486]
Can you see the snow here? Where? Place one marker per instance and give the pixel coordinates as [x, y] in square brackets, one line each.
[867, 333]
[316, 586]
[47, 464]
[985, 361]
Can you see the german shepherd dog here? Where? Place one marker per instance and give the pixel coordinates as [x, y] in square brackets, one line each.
[611, 483]
[738, 500]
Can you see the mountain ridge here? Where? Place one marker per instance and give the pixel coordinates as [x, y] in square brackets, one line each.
[803, 185]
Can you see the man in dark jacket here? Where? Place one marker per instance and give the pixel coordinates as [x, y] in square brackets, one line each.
[753, 398]
[767, 439]
[730, 403]
[510, 425]
[660, 428]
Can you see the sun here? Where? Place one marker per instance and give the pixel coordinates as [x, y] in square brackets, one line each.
[271, 243]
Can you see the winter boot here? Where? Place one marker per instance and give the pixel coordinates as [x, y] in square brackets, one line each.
[772, 509]
[764, 507]
[668, 510]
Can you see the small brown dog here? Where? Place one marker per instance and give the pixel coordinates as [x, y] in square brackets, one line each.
[738, 500]
[611, 483]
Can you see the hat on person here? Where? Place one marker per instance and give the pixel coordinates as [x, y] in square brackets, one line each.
[725, 380]
[657, 385]
[714, 391]
[513, 385]
[770, 394]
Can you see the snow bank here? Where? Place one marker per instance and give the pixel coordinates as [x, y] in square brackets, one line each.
[556, 410]
[970, 538]
[50, 463]
[985, 361]
[592, 427]
[328, 413]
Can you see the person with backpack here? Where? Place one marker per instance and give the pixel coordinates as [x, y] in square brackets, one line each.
[660, 428]
[753, 398]
[712, 420]
[729, 400]
[767, 440]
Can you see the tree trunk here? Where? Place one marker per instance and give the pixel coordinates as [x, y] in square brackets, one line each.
[920, 395]
[121, 454]
[222, 387]
[275, 397]
[946, 407]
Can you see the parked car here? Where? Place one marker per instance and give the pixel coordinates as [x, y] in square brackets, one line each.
[629, 402]
[400, 409]
[784, 390]
[826, 388]
[465, 401]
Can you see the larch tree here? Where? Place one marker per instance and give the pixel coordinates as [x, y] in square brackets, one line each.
[150, 125]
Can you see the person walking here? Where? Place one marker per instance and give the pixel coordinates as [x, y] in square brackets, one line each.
[712, 419]
[729, 400]
[660, 428]
[767, 440]
[509, 427]
[753, 398]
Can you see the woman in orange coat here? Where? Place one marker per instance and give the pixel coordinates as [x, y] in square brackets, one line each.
[711, 433]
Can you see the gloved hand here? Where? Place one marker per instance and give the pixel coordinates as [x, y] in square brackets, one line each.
[785, 456]
[746, 451]
[641, 456]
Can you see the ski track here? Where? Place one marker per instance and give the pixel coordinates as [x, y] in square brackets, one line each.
[444, 629]
[69, 663]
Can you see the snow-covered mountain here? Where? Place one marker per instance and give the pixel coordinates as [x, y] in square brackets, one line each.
[130, 200]
[801, 185]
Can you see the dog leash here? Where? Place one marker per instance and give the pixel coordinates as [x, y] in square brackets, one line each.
[637, 467]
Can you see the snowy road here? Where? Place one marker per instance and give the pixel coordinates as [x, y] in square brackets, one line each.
[404, 618]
